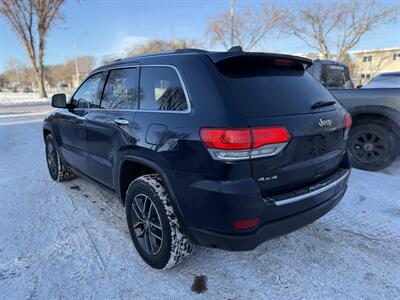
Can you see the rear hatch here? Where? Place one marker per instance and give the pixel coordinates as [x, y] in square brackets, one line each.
[276, 91]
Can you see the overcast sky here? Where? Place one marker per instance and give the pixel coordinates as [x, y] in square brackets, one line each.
[103, 28]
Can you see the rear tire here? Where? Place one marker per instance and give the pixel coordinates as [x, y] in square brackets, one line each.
[373, 146]
[153, 225]
[57, 169]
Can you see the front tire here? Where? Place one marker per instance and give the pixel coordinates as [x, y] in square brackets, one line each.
[57, 169]
[153, 225]
[373, 146]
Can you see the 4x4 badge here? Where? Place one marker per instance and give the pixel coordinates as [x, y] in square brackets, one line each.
[325, 123]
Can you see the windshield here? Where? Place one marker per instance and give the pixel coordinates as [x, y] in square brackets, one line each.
[264, 89]
[385, 81]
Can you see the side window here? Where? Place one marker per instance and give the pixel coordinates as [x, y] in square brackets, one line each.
[161, 89]
[88, 95]
[121, 89]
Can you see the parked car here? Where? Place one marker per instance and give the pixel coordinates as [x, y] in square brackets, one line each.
[384, 80]
[62, 85]
[219, 149]
[375, 134]
[27, 90]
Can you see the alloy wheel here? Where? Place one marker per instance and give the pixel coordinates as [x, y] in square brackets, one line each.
[52, 158]
[146, 223]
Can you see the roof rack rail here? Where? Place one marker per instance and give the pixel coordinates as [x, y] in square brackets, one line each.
[190, 50]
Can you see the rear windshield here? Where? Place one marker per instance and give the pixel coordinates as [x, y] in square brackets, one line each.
[333, 76]
[264, 89]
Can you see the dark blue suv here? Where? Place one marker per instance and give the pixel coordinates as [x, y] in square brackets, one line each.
[219, 149]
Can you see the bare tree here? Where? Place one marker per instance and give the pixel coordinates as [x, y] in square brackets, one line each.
[66, 73]
[15, 69]
[339, 25]
[157, 45]
[17, 74]
[248, 27]
[32, 20]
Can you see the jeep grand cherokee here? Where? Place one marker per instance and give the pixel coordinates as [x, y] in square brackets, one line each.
[219, 149]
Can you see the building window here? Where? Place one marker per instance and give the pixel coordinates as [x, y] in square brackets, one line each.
[367, 58]
[396, 56]
[362, 75]
[368, 76]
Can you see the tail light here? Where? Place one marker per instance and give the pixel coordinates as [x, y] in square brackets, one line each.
[238, 144]
[283, 62]
[348, 121]
[347, 124]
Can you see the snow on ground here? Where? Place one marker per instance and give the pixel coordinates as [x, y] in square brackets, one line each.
[7, 98]
[70, 240]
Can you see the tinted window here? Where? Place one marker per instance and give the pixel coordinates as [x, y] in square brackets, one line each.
[333, 76]
[161, 89]
[264, 89]
[88, 95]
[121, 89]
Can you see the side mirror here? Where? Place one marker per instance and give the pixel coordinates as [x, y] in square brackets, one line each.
[59, 101]
[359, 86]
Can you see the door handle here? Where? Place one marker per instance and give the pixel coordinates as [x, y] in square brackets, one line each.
[80, 118]
[121, 122]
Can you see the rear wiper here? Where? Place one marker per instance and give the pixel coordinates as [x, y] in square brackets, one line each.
[320, 104]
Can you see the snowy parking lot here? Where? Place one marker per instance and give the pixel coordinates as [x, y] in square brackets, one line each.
[70, 240]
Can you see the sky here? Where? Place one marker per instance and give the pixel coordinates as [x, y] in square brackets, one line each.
[108, 27]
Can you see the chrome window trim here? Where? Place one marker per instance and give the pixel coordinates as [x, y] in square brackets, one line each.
[188, 102]
[313, 193]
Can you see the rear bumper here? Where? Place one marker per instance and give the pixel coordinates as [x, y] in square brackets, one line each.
[249, 241]
[211, 207]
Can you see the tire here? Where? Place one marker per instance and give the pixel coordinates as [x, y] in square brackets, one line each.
[373, 146]
[57, 169]
[152, 224]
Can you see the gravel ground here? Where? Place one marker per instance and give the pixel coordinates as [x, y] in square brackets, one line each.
[71, 241]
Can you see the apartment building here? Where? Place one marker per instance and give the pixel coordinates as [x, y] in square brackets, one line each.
[368, 63]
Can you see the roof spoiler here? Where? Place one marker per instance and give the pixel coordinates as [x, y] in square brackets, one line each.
[234, 52]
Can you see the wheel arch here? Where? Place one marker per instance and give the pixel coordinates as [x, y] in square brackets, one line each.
[377, 114]
[46, 132]
[150, 166]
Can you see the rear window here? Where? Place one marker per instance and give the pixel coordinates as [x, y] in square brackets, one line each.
[262, 88]
[334, 76]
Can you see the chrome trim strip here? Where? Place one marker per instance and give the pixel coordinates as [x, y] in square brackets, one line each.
[189, 104]
[277, 148]
[313, 193]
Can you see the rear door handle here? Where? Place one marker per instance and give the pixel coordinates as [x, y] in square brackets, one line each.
[121, 121]
[80, 118]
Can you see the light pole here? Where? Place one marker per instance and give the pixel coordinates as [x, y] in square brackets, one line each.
[77, 75]
[232, 21]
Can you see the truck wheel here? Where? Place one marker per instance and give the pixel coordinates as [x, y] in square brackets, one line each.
[373, 146]
[152, 223]
[57, 169]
